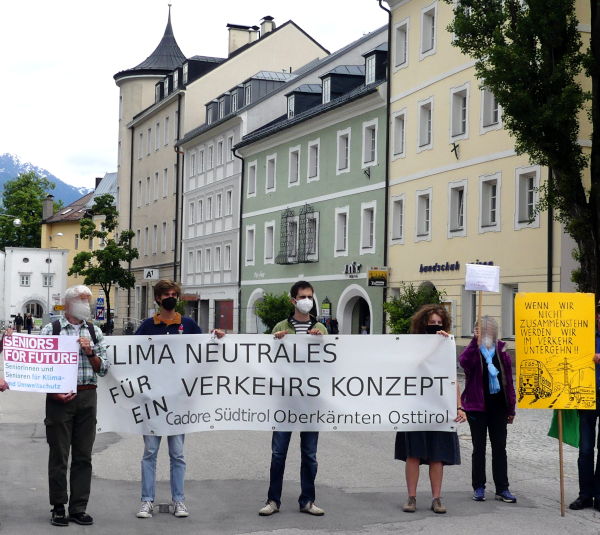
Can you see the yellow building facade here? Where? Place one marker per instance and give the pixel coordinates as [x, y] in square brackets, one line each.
[458, 191]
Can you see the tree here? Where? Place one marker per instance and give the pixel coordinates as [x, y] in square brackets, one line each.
[530, 55]
[104, 266]
[22, 198]
[400, 309]
[273, 308]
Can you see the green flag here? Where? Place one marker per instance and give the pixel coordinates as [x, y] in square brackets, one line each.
[570, 420]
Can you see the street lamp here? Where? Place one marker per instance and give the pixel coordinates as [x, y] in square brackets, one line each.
[48, 262]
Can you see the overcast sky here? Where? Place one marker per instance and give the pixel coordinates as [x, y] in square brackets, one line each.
[58, 58]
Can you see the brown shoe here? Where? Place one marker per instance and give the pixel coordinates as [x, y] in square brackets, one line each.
[437, 506]
[411, 505]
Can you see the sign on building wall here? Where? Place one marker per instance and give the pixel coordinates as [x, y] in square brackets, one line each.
[378, 276]
[151, 274]
[555, 348]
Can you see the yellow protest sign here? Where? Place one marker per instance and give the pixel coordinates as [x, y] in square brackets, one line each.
[555, 349]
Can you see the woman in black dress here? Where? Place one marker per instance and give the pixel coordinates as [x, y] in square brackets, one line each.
[435, 448]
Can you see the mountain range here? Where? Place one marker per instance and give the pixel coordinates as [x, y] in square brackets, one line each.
[11, 166]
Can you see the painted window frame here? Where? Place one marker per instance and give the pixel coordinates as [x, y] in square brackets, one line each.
[397, 238]
[453, 230]
[521, 173]
[483, 127]
[250, 260]
[347, 133]
[271, 158]
[420, 234]
[404, 27]
[266, 259]
[426, 12]
[369, 206]
[454, 91]
[253, 165]
[337, 251]
[298, 151]
[369, 126]
[484, 226]
[310, 145]
[420, 106]
[395, 116]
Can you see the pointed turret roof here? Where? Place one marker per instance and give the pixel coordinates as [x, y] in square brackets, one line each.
[166, 57]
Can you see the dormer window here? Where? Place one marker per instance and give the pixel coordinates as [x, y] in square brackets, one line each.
[156, 93]
[248, 94]
[185, 73]
[326, 90]
[370, 70]
[221, 108]
[210, 117]
[234, 101]
[166, 83]
[175, 79]
[291, 106]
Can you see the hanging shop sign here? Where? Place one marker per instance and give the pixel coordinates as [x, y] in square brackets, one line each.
[378, 276]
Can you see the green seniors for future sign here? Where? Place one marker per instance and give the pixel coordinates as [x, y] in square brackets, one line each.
[179, 384]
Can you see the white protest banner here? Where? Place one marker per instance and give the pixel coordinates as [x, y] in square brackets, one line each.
[168, 385]
[41, 363]
[482, 278]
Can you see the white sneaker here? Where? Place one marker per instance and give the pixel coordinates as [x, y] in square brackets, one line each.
[145, 510]
[312, 509]
[269, 509]
[180, 510]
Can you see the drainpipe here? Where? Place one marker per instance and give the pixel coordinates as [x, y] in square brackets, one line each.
[550, 235]
[177, 167]
[130, 213]
[387, 155]
[239, 277]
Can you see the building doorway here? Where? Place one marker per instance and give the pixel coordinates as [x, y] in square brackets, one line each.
[361, 317]
[355, 314]
[224, 315]
[35, 309]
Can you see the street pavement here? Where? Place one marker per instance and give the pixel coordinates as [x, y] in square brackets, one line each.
[359, 484]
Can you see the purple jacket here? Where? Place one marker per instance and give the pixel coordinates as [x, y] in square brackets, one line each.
[472, 362]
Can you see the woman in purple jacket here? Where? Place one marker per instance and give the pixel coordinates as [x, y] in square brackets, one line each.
[489, 401]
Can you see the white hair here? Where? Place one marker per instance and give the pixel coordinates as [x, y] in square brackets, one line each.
[74, 292]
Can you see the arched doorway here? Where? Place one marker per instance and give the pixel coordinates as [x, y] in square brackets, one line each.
[355, 312]
[34, 308]
[254, 325]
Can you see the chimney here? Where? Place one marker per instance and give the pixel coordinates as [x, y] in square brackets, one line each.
[48, 207]
[238, 36]
[98, 180]
[267, 25]
[254, 33]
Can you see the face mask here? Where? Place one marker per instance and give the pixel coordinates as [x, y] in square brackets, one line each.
[304, 305]
[169, 303]
[80, 310]
[432, 329]
[487, 341]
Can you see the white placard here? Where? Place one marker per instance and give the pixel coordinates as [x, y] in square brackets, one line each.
[41, 363]
[168, 385]
[482, 278]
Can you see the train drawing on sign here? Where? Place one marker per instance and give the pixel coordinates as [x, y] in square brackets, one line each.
[534, 380]
[581, 389]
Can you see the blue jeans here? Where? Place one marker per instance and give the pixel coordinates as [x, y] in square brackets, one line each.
[308, 466]
[589, 479]
[151, 446]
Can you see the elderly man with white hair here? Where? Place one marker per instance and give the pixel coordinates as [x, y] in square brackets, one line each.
[71, 417]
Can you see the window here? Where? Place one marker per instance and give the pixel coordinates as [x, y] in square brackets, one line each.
[207, 260]
[219, 205]
[343, 151]
[313, 160]
[509, 292]
[148, 188]
[191, 213]
[156, 186]
[76, 241]
[200, 217]
[175, 79]
[425, 116]
[229, 149]
[271, 170]
[192, 166]
[47, 280]
[269, 256]
[219, 152]
[138, 240]
[149, 148]
[251, 190]
[490, 111]
[326, 90]
[138, 201]
[209, 208]
[173, 234]
[154, 239]
[221, 108]
[166, 84]
[459, 113]
[398, 219]
[25, 279]
[250, 230]
[199, 261]
[227, 258]
[399, 133]
[190, 266]
[146, 240]
[163, 241]
[370, 70]
[234, 101]
[140, 145]
[457, 195]
[469, 311]
[157, 134]
[209, 111]
[165, 182]
[184, 76]
[367, 224]
[210, 157]
[428, 30]
[166, 130]
[91, 244]
[217, 262]
[312, 236]
[292, 239]
[369, 143]
[290, 106]
[423, 215]
[294, 166]
[201, 161]
[401, 45]
[526, 201]
[247, 94]
[341, 231]
[229, 202]
[489, 218]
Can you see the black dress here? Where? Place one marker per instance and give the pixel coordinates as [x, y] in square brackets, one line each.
[428, 446]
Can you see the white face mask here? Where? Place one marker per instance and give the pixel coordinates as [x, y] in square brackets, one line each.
[80, 309]
[304, 305]
[487, 341]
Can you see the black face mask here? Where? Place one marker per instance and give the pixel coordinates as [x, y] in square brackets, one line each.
[433, 329]
[169, 303]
